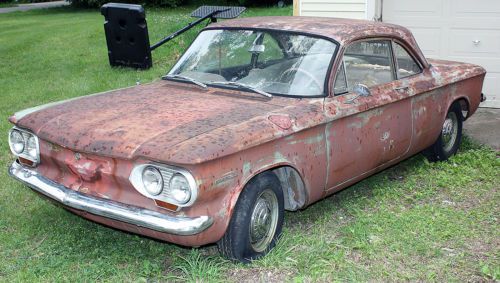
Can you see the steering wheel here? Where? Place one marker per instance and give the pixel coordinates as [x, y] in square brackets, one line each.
[302, 71]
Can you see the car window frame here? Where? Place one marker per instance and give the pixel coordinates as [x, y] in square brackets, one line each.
[341, 66]
[414, 58]
[327, 88]
[394, 60]
[391, 56]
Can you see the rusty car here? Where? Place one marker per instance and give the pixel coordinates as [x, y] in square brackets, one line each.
[258, 116]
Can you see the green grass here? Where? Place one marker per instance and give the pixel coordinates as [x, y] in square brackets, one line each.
[417, 221]
[7, 5]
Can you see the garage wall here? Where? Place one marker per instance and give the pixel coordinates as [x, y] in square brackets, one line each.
[355, 9]
[458, 30]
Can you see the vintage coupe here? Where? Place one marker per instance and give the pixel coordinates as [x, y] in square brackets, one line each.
[258, 116]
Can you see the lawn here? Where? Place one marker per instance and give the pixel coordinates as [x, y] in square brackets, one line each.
[7, 5]
[417, 221]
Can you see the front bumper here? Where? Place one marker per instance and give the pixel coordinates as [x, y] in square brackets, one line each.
[107, 208]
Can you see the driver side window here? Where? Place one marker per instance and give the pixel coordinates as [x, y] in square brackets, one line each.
[365, 62]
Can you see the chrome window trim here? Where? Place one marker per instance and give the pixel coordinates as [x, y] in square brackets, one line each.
[390, 40]
[412, 56]
[342, 65]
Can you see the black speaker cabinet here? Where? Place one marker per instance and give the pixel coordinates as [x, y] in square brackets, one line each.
[127, 35]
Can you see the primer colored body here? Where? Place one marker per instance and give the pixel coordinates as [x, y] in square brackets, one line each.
[224, 137]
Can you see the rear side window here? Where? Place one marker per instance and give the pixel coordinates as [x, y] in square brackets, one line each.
[368, 63]
[406, 65]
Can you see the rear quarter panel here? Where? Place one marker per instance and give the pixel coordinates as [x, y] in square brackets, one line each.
[436, 89]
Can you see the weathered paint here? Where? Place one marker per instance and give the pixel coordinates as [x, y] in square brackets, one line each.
[226, 137]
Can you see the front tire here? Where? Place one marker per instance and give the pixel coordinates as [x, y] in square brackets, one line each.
[256, 222]
[450, 138]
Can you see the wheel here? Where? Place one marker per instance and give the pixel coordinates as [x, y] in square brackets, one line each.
[256, 222]
[450, 138]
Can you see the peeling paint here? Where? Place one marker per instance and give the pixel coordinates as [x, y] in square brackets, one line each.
[247, 168]
[385, 136]
[225, 137]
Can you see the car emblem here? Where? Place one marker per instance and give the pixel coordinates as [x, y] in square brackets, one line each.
[77, 156]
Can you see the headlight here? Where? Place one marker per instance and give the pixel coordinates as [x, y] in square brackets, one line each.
[179, 188]
[16, 141]
[152, 180]
[31, 147]
[169, 184]
[24, 145]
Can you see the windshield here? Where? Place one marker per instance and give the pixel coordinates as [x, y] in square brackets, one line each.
[274, 62]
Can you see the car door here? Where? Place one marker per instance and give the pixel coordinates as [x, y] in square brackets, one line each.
[366, 133]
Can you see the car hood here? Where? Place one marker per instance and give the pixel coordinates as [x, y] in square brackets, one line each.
[144, 120]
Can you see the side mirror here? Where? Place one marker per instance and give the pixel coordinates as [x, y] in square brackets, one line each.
[361, 90]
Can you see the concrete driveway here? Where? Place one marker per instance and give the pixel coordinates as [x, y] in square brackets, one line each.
[484, 127]
[26, 7]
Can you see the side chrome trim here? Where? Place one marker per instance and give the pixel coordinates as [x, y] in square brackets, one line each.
[107, 208]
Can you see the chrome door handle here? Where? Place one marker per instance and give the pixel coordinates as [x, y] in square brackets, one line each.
[402, 88]
[476, 42]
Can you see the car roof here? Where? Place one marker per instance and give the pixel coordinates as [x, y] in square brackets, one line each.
[341, 30]
[338, 29]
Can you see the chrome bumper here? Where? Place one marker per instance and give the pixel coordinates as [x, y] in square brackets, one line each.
[107, 208]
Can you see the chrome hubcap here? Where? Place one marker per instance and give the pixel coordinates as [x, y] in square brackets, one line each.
[264, 220]
[449, 131]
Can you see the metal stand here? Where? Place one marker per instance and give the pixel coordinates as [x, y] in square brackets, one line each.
[127, 32]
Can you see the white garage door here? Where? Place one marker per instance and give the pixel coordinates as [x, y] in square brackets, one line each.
[460, 30]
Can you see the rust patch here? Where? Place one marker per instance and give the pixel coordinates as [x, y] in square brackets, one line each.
[281, 121]
[88, 170]
[338, 29]
[226, 137]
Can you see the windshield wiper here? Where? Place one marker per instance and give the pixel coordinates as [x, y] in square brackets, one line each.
[191, 80]
[244, 86]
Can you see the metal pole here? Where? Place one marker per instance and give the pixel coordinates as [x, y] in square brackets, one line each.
[184, 29]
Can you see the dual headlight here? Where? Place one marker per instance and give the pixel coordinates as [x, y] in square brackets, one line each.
[24, 144]
[170, 184]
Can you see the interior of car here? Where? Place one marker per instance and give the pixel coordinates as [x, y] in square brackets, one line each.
[275, 62]
[370, 63]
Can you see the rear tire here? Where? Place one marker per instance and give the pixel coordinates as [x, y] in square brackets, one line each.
[450, 138]
[257, 220]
